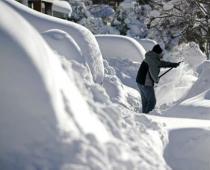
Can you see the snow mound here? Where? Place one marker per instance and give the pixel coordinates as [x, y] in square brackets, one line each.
[114, 88]
[52, 118]
[39, 116]
[195, 107]
[180, 83]
[195, 103]
[82, 36]
[203, 82]
[64, 45]
[175, 85]
[118, 46]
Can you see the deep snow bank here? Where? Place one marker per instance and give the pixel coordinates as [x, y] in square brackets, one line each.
[121, 47]
[203, 82]
[197, 101]
[82, 36]
[64, 45]
[22, 130]
[38, 114]
[48, 124]
[122, 57]
[175, 85]
[192, 78]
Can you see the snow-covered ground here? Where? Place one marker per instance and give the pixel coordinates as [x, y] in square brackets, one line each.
[67, 102]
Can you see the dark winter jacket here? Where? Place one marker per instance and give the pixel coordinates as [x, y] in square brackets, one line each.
[150, 68]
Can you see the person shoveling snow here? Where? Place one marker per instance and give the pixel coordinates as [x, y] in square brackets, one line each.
[148, 75]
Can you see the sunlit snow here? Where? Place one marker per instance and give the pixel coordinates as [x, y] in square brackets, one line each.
[69, 100]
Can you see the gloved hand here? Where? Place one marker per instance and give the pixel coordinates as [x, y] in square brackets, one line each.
[177, 64]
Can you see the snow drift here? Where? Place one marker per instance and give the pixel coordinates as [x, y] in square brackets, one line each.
[37, 110]
[124, 47]
[197, 97]
[82, 36]
[53, 116]
[64, 45]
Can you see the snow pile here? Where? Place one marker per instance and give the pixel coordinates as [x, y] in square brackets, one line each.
[55, 114]
[179, 80]
[82, 36]
[203, 82]
[197, 98]
[121, 67]
[64, 45]
[125, 47]
[49, 122]
[38, 113]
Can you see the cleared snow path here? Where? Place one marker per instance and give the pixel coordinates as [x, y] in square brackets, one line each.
[188, 144]
[188, 141]
[188, 149]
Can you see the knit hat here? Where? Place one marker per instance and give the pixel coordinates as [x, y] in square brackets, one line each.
[157, 49]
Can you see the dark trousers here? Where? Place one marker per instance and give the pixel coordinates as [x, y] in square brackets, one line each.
[147, 97]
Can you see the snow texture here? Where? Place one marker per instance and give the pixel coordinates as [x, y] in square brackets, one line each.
[81, 35]
[55, 112]
[125, 47]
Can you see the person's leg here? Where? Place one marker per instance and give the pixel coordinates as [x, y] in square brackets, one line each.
[144, 101]
[148, 98]
[151, 98]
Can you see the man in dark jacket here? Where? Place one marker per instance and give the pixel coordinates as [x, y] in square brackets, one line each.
[148, 75]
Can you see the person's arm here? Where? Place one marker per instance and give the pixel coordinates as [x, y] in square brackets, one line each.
[166, 64]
